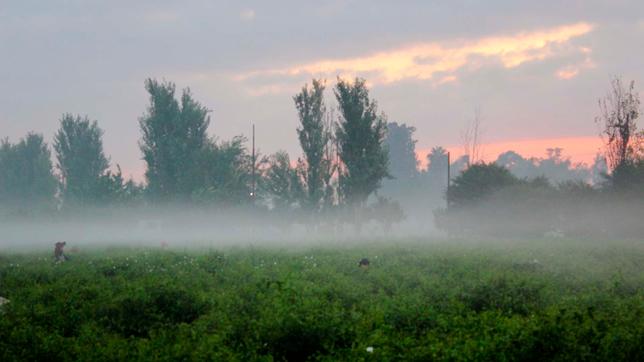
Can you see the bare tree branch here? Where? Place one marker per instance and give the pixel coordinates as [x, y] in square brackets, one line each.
[619, 112]
[471, 139]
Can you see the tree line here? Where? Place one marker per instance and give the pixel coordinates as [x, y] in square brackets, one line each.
[488, 199]
[353, 160]
[343, 161]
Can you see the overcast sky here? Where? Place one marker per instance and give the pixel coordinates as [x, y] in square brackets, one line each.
[534, 68]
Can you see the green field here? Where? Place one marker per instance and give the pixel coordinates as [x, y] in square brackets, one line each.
[418, 300]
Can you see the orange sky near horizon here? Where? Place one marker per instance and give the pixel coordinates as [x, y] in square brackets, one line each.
[578, 149]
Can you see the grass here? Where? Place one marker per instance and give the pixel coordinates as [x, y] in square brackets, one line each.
[418, 300]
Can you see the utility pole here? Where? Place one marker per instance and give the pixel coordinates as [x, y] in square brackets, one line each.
[447, 194]
[252, 188]
[448, 181]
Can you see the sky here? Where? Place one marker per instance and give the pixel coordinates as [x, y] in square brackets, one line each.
[534, 69]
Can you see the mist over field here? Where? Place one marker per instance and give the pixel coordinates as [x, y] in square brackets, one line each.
[178, 227]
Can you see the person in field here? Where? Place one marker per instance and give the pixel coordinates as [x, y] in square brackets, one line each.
[59, 254]
[363, 263]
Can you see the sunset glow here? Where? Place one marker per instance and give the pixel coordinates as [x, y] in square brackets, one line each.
[578, 149]
[424, 61]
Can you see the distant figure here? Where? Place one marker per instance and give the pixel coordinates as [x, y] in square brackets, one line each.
[59, 255]
[164, 244]
[364, 263]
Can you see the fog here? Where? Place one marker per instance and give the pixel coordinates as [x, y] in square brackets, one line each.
[186, 227]
[205, 228]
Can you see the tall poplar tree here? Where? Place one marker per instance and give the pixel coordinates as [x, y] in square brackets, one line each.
[26, 178]
[360, 135]
[173, 140]
[80, 160]
[402, 151]
[314, 136]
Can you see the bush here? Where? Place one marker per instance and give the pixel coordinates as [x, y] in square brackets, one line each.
[478, 182]
[504, 295]
[139, 312]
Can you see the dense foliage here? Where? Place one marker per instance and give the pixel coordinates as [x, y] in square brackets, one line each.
[554, 166]
[360, 135]
[81, 162]
[27, 182]
[174, 135]
[525, 300]
[487, 199]
[401, 146]
[477, 182]
[314, 135]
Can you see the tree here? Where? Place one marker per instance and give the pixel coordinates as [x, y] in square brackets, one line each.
[459, 165]
[224, 173]
[558, 168]
[282, 182]
[477, 182]
[598, 170]
[628, 177]
[471, 139]
[434, 178]
[555, 166]
[119, 191]
[437, 164]
[360, 136]
[173, 140]
[517, 164]
[26, 178]
[314, 136]
[80, 160]
[619, 112]
[402, 151]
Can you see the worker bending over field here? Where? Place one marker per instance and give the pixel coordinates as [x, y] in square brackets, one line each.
[59, 254]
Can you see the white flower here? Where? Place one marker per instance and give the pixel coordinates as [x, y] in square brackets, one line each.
[370, 349]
